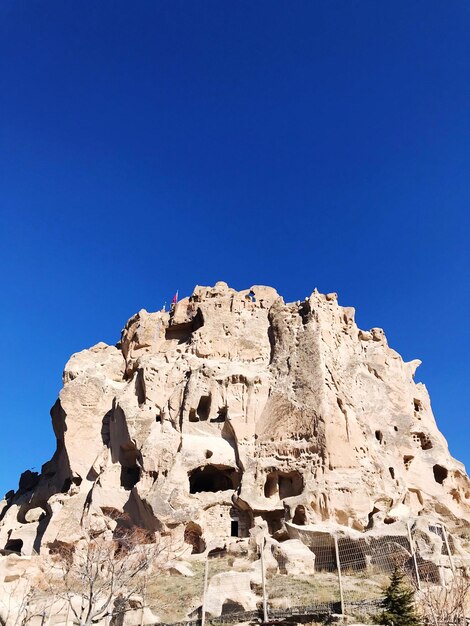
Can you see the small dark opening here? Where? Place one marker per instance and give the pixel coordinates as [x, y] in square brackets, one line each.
[130, 476]
[370, 523]
[234, 528]
[180, 332]
[440, 473]
[140, 387]
[229, 607]
[407, 461]
[203, 408]
[378, 435]
[300, 517]
[392, 472]
[130, 471]
[66, 485]
[271, 486]
[14, 545]
[423, 440]
[221, 415]
[417, 405]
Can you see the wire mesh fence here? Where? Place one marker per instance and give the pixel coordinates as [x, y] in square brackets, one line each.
[342, 575]
[309, 580]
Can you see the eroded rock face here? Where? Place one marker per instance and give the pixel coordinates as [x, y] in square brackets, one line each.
[236, 409]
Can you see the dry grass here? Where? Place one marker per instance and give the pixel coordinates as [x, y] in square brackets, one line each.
[173, 597]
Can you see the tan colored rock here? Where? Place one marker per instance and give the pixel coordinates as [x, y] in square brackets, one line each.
[294, 557]
[236, 410]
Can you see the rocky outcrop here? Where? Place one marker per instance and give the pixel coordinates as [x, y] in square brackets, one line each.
[232, 411]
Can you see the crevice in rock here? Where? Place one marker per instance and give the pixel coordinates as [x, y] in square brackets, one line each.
[370, 523]
[140, 390]
[130, 470]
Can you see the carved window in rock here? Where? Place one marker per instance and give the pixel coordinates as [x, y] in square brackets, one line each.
[417, 407]
[440, 473]
[422, 440]
[202, 412]
[283, 484]
[407, 459]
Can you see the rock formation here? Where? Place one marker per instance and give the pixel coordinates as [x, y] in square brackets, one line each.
[236, 410]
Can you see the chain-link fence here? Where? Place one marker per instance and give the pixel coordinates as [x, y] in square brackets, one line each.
[302, 581]
[330, 575]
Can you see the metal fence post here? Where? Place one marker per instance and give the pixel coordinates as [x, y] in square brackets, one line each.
[413, 554]
[263, 581]
[204, 593]
[444, 532]
[340, 580]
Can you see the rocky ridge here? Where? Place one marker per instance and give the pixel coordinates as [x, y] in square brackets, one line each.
[236, 411]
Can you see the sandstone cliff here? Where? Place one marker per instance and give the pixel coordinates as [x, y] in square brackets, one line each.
[235, 410]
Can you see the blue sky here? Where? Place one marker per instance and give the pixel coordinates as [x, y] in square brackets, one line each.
[150, 146]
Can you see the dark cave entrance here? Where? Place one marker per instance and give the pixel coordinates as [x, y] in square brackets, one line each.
[212, 478]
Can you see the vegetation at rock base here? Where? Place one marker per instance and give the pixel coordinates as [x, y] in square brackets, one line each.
[398, 604]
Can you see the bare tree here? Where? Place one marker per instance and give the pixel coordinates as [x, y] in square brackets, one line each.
[106, 577]
[441, 605]
[21, 602]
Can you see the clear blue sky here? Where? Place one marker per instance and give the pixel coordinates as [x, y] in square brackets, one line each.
[149, 146]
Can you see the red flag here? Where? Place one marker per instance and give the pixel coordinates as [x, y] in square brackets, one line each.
[175, 298]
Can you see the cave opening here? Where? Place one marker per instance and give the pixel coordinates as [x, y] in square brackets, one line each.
[300, 516]
[440, 473]
[230, 606]
[212, 478]
[203, 408]
[283, 484]
[407, 459]
[422, 440]
[274, 519]
[14, 545]
[130, 471]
